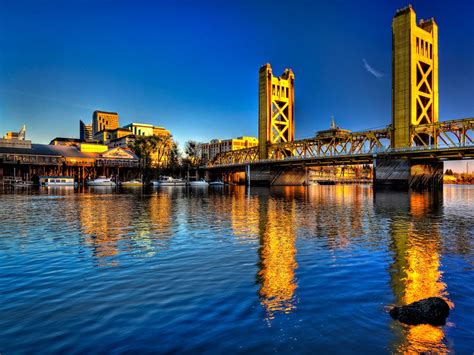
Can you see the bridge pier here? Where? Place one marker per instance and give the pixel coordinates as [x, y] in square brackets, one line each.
[265, 175]
[405, 174]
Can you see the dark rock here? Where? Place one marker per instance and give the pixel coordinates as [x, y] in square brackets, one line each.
[433, 310]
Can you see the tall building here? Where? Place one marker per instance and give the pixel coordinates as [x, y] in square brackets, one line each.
[104, 120]
[85, 131]
[415, 77]
[208, 151]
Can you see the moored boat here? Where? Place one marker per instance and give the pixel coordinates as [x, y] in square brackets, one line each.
[168, 181]
[216, 183]
[101, 181]
[56, 181]
[132, 183]
[199, 183]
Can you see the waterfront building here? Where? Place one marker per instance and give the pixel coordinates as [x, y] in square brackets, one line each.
[84, 161]
[102, 120]
[85, 131]
[208, 151]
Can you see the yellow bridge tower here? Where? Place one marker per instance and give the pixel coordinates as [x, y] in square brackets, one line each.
[275, 108]
[414, 77]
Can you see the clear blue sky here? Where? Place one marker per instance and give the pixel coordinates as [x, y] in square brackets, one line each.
[192, 66]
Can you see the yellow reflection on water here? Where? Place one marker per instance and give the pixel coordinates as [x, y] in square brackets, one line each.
[416, 271]
[277, 257]
[101, 227]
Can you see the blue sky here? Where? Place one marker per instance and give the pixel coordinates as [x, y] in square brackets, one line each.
[192, 66]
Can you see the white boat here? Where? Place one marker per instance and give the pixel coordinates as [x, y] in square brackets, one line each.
[101, 181]
[56, 180]
[216, 183]
[168, 181]
[198, 183]
[132, 183]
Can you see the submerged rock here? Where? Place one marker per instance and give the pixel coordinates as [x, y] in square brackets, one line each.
[433, 310]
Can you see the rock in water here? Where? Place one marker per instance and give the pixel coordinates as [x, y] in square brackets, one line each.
[433, 310]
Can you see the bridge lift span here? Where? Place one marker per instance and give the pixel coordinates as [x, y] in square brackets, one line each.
[407, 153]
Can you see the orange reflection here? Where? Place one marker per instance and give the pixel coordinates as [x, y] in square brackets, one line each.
[416, 273]
[101, 227]
[111, 225]
[277, 257]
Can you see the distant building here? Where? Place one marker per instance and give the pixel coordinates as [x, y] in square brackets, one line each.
[160, 132]
[85, 131]
[106, 135]
[104, 120]
[15, 139]
[145, 129]
[208, 151]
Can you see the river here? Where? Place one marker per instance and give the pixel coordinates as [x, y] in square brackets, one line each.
[233, 269]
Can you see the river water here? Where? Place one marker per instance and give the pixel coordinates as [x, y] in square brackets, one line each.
[219, 270]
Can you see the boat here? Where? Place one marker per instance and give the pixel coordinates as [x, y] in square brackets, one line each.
[16, 181]
[168, 181]
[326, 182]
[216, 183]
[101, 181]
[132, 183]
[199, 183]
[56, 181]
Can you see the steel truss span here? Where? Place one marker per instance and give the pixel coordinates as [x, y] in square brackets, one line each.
[443, 137]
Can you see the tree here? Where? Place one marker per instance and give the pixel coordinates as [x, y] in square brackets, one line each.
[173, 163]
[449, 172]
[191, 149]
[156, 152]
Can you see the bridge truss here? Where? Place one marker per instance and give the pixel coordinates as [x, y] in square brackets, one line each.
[454, 134]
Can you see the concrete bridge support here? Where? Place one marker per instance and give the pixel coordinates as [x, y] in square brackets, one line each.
[404, 174]
[276, 176]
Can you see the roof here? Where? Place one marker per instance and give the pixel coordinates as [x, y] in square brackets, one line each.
[65, 139]
[110, 113]
[71, 152]
[130, 136]
[46, 149]
[36, 149]
[62, 151]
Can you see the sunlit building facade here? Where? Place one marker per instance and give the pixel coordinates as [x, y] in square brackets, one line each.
[208, 151]
[102, 120]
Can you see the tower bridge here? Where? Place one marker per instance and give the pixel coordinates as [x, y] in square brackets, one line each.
[409, 152]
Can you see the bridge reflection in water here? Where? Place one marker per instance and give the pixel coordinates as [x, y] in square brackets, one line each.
[277, 254]
[415, 271]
